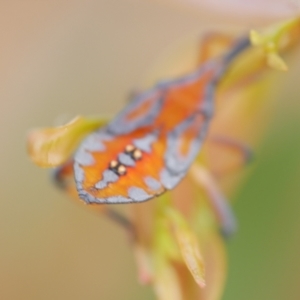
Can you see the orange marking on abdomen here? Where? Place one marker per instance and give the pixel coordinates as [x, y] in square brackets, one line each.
[141, 110]
[149, 165]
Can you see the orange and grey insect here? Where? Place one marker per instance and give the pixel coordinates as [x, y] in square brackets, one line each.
[148, 148]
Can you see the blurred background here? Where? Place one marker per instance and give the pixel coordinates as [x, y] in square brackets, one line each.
[61, 58]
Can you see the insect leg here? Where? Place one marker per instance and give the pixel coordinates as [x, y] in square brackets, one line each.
[235, 145]
[218, 202]
[121, 220]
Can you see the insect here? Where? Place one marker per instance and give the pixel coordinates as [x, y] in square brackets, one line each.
[148, 148]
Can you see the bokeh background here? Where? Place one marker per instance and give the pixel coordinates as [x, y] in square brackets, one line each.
[61, 58]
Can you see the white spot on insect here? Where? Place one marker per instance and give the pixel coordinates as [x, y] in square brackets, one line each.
[145, 142]
[94, 143]
[207, 107]
[108, 176]
[129, 148]
[169, 180]
[83, 157]
[121, 170]
[175, 161]
[152, 183]
[79, 173]
[137, 154]
[117, 199]
[113, 164]
[88, 198]
[101, 185]
[138, 194]
[126, 160]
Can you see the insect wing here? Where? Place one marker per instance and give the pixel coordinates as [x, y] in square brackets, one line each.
[124, 169]
[149, 146]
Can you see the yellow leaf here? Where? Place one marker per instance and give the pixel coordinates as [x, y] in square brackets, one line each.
[255, 38]
[275, 39]
[51, 147]
[214, 254]
[188, 246]
[166, 282]
[276, 62]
